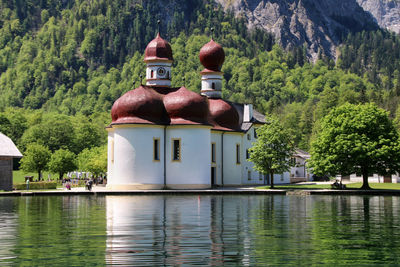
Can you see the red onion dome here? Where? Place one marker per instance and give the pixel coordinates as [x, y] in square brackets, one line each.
[141, 105]
[223, 115]
[212, 56]
[186, 107]
[158, 49]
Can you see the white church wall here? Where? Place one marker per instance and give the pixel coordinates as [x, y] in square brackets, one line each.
[134, 164]
[192, 171]
[232, 168]
[110, 154]
[216, 139]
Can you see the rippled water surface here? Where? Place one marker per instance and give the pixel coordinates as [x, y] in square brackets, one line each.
[231, 230]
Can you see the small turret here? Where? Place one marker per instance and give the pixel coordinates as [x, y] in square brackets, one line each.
[212, 57]
[158, 57]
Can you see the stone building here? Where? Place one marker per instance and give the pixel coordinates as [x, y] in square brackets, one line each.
[8, 151]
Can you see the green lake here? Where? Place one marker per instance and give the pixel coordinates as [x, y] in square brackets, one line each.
[185, 230]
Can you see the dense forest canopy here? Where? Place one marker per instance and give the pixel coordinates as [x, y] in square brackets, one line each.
[76, 57]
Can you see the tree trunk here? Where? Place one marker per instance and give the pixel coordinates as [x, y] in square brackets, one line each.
[365, 185]
[39, 171]
[272, 180]
[60, 176]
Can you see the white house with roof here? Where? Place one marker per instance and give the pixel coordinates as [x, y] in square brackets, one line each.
[299, 172]
[8, 151]
[165, 137]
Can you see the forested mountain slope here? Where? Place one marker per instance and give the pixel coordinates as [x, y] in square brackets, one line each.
[78, 56]
[81, 55]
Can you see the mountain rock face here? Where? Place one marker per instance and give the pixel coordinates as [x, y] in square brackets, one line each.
[386, 12]
[318, 24]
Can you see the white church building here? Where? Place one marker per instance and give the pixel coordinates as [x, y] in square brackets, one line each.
[162, 137]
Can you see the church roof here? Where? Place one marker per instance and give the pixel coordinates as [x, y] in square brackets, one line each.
[158, 50]
[186, 107]
[223, 115]
[212, 56]
[8, 148]
[160, 105]
[258, 118]
[171, 106]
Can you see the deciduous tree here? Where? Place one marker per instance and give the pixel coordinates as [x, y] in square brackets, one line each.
[93, 160]
[273, 149]
[62, 161]
[356, 139]
[36, 158]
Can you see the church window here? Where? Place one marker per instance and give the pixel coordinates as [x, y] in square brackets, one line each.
[213, 156]
[247, 154]
[248, 137]
[168, 76]
[176, 149]
[260, 176]
[248, 175]
[156, 149]
[237, 153]
[255, 133]
[213, 85]
[152, 74]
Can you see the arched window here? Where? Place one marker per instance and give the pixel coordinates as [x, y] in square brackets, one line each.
[213, 85]
[169, 77]
[152, 73]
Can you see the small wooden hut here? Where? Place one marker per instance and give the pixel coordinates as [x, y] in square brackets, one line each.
[8, 151]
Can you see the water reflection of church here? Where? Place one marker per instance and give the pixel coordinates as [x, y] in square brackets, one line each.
[180, 230]
[165, 137]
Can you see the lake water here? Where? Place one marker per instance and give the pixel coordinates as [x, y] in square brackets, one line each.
[230, 230]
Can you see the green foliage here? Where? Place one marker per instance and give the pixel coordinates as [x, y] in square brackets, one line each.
[93, 160]
[72, 56]
[273, 149]
[54, 132]
[356, 139]
[36, 158]
[61, 162]
[36, 185]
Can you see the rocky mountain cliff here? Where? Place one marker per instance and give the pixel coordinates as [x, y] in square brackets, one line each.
[320, 24]
[386, 12]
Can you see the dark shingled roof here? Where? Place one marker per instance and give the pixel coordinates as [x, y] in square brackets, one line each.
[8, 148]
[258, 118]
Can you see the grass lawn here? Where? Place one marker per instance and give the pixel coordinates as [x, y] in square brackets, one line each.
[19, 176]
[388, 186]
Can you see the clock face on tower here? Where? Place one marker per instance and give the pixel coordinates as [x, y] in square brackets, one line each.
[161, 71]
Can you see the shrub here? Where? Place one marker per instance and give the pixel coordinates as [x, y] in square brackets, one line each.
[36, 185]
